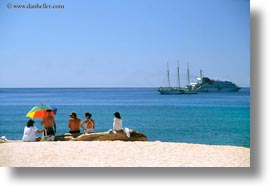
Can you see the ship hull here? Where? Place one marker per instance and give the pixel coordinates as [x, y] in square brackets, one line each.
[218, 89]
[171, 91]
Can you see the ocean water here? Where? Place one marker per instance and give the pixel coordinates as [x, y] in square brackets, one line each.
[205, 118]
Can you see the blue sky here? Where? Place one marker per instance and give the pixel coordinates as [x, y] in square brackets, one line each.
[123, 43]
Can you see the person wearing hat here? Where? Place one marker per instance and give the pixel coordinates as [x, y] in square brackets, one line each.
[30, 131]
[74, 123]
[90, 123]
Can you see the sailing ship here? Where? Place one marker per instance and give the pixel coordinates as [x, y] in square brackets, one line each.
[176, 90]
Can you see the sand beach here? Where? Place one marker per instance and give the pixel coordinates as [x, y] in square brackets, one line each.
[120, 154]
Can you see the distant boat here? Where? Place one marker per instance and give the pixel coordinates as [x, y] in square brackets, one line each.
[175, 90]
[171, 90]
[206, 84]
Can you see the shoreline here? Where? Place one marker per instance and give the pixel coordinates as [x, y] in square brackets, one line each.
[240, 146]
[121, 154]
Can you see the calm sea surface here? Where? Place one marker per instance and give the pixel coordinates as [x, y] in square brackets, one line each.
[205, 118]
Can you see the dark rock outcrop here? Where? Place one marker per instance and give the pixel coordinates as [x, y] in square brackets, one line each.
[2, 140]
[103, 136]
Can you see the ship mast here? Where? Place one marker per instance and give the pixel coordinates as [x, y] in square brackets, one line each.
[168, 74]
[188, 74]
[178, 73]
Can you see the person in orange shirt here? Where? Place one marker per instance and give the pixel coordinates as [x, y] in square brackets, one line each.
[49, 123]
[74, 123]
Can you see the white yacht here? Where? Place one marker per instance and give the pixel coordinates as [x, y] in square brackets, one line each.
[206, 84]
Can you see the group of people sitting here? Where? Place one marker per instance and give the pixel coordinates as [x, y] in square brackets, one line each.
[74, 124]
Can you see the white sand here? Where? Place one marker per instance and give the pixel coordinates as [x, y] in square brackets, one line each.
[121, 154]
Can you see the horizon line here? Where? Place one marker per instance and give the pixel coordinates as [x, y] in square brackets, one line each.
[91, 87]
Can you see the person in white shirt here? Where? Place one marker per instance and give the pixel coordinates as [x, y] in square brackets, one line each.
[117, 121]
[117, 125]
[30, 131]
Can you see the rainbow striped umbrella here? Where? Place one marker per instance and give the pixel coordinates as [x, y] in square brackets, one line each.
[39, 111]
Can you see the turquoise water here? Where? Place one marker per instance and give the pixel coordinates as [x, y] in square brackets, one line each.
[206, 118]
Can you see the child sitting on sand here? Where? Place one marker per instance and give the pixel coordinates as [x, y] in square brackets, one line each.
[30, 131]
